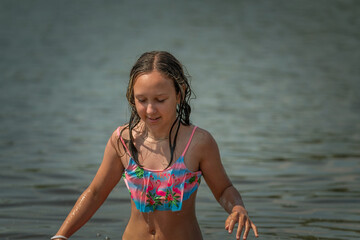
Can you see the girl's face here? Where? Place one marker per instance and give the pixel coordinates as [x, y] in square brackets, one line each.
[155, 100]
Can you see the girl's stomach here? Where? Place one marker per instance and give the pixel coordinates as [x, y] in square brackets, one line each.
[164, 225]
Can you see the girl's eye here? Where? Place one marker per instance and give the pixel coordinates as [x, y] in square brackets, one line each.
[161, 100]
[141, 100]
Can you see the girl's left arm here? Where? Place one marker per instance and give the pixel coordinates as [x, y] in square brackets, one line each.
[222, 188]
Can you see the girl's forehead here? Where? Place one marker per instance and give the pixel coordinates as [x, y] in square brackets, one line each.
[153, 82]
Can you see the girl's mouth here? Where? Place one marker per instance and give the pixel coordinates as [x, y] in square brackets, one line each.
[153, 120]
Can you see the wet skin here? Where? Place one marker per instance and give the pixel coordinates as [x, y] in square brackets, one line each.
[160, 225]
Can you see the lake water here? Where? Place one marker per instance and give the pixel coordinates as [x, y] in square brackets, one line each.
[277, 84]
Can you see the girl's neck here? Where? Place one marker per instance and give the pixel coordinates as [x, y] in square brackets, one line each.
[151, 139]
[153, 135]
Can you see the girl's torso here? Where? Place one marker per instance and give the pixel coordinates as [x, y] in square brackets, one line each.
[172, 222]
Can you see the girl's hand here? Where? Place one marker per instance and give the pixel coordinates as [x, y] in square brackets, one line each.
[241, 217]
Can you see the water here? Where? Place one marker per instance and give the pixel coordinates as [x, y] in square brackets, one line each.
[277, 84]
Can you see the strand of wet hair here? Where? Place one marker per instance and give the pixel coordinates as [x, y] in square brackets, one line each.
[173, 145]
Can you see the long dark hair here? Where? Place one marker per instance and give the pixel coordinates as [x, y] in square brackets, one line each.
[166, 64]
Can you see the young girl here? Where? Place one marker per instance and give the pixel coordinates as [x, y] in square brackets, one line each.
[161, 156]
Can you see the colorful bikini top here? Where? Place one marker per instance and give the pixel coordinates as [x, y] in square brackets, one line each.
[162, 190]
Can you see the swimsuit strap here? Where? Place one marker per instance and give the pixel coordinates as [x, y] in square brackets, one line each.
[188, 144]
[122, 140]
[118, 131]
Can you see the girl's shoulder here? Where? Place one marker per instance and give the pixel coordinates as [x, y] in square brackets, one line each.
[203, 147]
[115, 138]
[121, 131]
[203, 139]
[203, 134]
[121, 134]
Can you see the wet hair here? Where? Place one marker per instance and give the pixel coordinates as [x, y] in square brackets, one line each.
[169, 66]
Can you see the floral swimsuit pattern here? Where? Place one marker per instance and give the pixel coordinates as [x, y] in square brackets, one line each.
[161, 189]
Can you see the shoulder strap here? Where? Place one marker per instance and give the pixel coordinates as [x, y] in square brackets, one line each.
[118, 132]
[122, 141]
[188, 144]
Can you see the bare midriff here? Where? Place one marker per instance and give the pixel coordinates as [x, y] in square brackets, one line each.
[163, 225]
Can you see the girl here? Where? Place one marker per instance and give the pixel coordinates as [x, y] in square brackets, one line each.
[161, 157]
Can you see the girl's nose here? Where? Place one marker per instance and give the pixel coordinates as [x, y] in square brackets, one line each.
[150, 109]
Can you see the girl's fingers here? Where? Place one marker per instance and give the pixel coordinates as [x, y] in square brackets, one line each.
[247, 229]
[254, 229]
[227, 223]
[230, 222]
[241, 224]
[231, 226]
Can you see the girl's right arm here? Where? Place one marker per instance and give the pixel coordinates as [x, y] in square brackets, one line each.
[107, 176]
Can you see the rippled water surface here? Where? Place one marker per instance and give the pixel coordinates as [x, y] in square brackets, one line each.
[277, 84]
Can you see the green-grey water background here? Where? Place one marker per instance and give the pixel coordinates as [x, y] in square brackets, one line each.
[277, 84]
